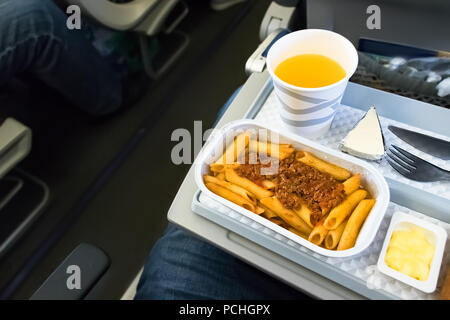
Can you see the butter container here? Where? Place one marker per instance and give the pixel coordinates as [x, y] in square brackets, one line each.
[435, 234]
[372, 179]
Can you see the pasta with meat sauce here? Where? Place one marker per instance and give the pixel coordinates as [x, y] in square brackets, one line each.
[295, 190]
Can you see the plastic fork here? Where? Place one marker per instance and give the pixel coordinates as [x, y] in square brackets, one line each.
[415, 168]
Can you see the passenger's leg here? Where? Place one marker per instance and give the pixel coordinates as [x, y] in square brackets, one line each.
[34, 39]
[181, 266]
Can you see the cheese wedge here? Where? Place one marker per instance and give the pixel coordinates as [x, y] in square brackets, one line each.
[365, 140]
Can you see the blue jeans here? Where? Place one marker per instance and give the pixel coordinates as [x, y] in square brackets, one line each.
[34, 40]
[182, 267]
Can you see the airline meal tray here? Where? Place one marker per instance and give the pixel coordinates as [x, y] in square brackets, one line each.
[427, 201]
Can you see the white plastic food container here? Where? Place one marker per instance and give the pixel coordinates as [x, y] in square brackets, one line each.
[372, 180]
[435, 234]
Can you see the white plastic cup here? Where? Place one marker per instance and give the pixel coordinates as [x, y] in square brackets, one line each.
[309, 112]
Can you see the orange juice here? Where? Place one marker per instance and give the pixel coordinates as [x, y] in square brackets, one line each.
[310, 71]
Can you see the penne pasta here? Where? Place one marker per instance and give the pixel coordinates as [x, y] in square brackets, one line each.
[331, 228]
[231, 196]
[259, 192]
[293, 230]
[221, 176]
[280, 151]
[269, 214]
[305, 213]
[263, 147]
[217, 168]
[232, 187]
[318, 234]
[335, 171]
[234, 150]
[285, 153]
[354, 224]
[333, 236]
[259, 210]
[269, 185]
[342, 211]
[289, 216]
[352, 184]
[277, 220]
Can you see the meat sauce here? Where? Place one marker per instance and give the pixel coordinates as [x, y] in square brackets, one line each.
[296, 184]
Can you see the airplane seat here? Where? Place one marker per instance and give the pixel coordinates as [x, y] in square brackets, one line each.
[23, 196]
[15, 144]
[149, 18]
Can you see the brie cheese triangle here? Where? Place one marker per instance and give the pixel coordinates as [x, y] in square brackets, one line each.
[365, 140]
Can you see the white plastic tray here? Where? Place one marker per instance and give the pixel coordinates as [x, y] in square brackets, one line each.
[428, 201]
[358, 273]
[371, 179]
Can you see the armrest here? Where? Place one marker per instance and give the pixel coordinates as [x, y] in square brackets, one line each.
[15, 144]
[119, 16]
[257, 61]
[280, 15]
[76, 276]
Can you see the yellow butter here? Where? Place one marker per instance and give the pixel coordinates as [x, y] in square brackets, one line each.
[410, 253]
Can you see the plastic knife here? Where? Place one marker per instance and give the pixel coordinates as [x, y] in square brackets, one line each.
[434, 146]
